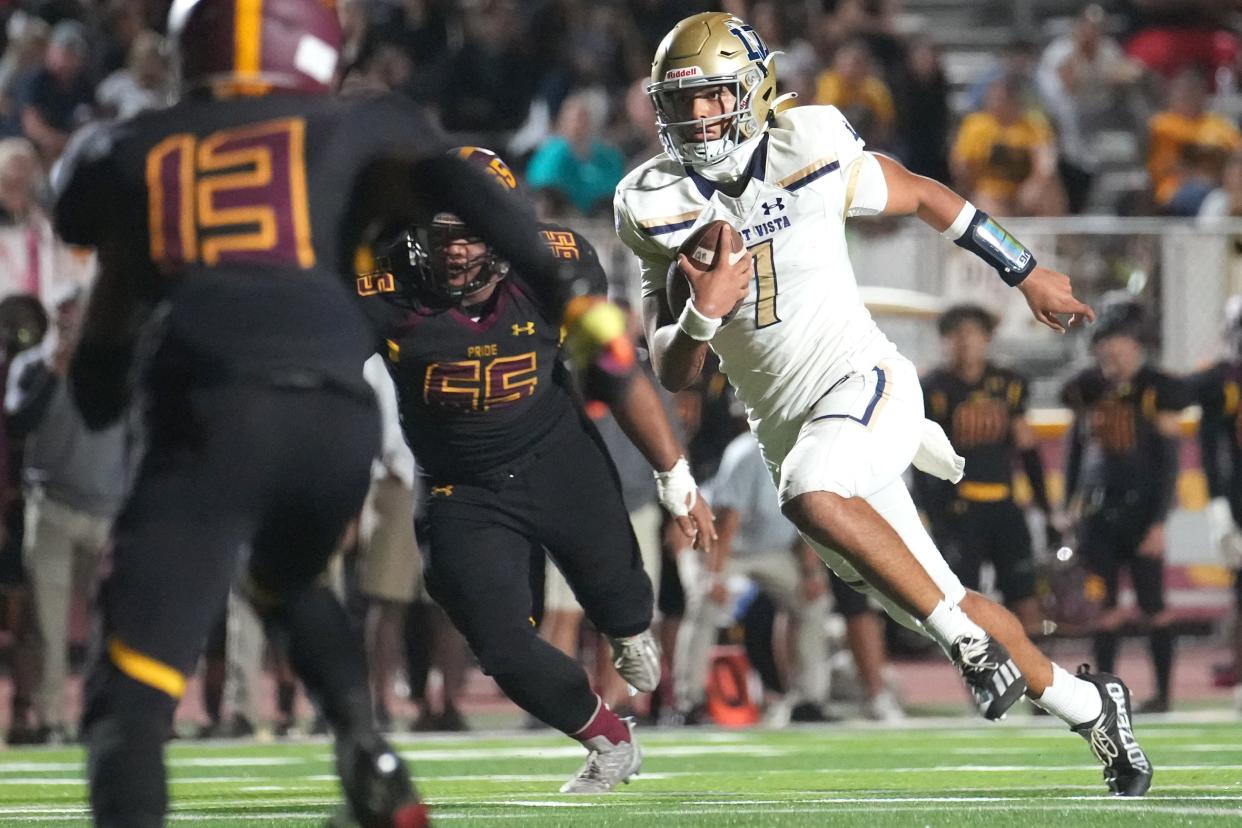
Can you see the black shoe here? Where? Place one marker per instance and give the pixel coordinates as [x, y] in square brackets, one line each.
[1156, 704]
[693, 717]
[428, 722]
[27, 735]
[451, 721]
[283, 728]
[991, 675]
[810, 712]
[377, 784]
[1127, 770]
[237, 727]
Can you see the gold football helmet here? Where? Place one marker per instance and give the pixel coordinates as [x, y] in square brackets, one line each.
[711, 49]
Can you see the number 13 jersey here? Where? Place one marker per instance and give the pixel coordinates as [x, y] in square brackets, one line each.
[242, 216]
[803, 325]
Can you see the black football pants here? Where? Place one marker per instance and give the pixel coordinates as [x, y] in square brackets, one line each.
[563, 496]
[280, 470]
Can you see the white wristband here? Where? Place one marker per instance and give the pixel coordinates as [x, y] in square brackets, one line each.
[695, 325]
[676, 488]
[960, 224]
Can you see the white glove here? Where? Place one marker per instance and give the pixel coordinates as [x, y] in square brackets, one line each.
[936, 456]
[676, 488]
[1223, 533]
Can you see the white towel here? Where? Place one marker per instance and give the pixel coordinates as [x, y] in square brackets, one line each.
[936, 455]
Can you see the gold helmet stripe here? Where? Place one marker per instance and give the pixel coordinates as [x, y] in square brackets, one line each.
[248, 37]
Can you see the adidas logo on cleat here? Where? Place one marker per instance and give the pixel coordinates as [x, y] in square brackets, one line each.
[1006, 674]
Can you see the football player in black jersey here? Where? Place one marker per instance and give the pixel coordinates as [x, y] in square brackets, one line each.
[225, 227]
[1121, 468]
[514, 465]
[1218, 390]
[982, 407]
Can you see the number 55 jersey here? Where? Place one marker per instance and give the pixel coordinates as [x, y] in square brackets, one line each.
[477, 395]
[803, 325]
[242, 216]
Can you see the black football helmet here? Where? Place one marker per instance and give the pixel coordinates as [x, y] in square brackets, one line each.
[1120, 314]
[426, 245]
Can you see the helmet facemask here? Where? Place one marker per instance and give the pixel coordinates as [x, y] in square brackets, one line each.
[453, 278]
[673, 100]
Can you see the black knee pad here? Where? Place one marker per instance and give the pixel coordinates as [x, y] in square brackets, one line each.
[505, 650]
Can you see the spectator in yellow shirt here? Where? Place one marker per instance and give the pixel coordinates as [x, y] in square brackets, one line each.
[853, 86]
[1189, 146]
[1005, 157]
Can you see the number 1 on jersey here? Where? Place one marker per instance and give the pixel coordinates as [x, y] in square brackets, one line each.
[765, 284]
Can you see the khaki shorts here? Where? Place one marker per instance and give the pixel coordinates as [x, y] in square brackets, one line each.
[645, 520]
[389, 564]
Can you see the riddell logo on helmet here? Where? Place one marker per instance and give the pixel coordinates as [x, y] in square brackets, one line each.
[686, 72]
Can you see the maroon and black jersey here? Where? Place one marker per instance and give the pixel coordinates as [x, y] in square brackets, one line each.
[978, 418]
[1217, 390]
[1116, 448]
[478, 396]
[243, 215]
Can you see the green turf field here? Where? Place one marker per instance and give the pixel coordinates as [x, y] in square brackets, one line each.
[1026, 772]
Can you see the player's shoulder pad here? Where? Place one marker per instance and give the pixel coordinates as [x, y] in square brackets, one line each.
[808, 142]
[934, 377]
[653, 174]
[1173, 392]
[575, 250]
[392, 121]
[816, 123]
[1082, 388]
[79, 181]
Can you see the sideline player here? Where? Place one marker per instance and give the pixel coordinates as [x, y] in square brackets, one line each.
[223, 226]
[982, 407]
[1218, 389]
[1121, 469]
[514, 465]
[837, 411]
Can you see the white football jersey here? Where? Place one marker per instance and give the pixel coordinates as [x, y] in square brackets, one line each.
[803, 325]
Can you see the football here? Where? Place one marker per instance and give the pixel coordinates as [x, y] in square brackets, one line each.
[700, 247]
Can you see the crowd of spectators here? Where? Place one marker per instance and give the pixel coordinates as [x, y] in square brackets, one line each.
[558, 88]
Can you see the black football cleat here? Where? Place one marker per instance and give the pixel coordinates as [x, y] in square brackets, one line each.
[994, 680]
[1127, 770]
[378, 790]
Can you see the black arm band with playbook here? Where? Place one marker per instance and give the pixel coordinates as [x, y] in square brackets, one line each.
[993, 243]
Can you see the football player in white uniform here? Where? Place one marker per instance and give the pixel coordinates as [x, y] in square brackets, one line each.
[837, 410]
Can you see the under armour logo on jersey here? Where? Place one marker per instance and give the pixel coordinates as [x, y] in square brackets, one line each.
[442, 491]
[528, 329]
[778, 205]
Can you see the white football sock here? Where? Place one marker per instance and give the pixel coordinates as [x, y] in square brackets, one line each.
[1071, 699]
[947, 623]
